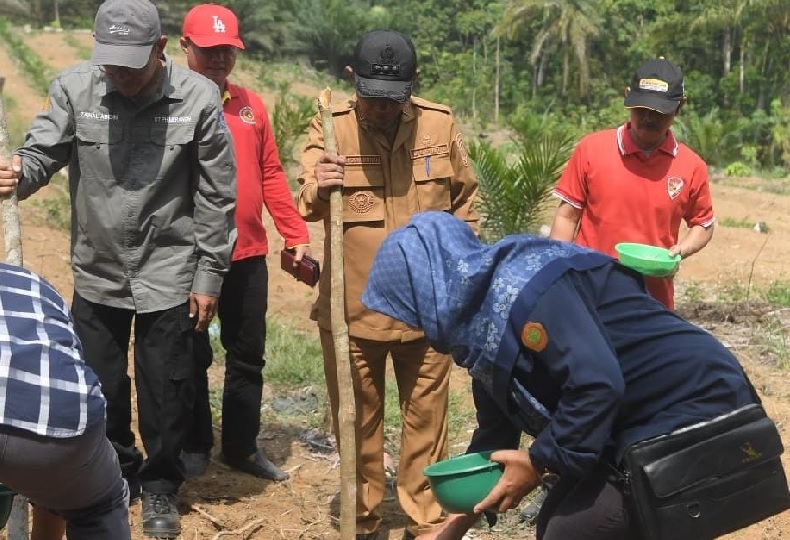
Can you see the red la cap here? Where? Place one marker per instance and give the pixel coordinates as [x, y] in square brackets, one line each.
[209, 25]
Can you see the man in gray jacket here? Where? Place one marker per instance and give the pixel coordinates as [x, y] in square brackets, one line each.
[152, 183]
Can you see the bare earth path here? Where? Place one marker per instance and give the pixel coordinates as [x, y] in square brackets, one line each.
[303, 508]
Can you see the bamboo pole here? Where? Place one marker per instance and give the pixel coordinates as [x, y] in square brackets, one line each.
[12, 232]
[346, 416]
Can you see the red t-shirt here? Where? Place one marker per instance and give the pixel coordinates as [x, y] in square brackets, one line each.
[260, 178]
[628, 196]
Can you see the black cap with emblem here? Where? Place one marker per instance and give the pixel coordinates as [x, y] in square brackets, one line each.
[384, 65]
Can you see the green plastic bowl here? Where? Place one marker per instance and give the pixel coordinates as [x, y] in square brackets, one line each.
[459, 483]
[648, 260]
[6, 501]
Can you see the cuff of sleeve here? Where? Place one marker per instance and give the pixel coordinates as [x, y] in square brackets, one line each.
[297, 242]
[208, 283]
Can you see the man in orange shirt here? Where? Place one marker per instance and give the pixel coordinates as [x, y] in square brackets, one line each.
[636, 183]
[210, 38]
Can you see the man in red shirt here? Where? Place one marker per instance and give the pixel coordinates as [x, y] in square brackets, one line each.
[636, 183]
[210, 37]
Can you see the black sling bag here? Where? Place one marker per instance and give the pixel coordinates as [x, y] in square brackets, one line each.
[708, 479]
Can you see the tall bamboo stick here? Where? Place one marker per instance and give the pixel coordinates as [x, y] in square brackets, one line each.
[12, 232]
[346, 405]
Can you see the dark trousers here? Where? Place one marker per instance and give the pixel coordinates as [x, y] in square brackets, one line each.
[242, 314]
[590, 508]
[163, 376]
[76, 477]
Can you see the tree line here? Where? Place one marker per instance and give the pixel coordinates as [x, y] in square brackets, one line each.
[543, 65]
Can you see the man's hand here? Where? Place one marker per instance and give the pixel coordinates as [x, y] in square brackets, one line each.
[329, 173]
[519, 478]
[453, 528]
[203, 308]
[10, 173]
[300, 251]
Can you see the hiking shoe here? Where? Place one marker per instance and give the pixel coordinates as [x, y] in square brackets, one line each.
[259, 466]
[195, 463]
[160, 515]
[531, 511]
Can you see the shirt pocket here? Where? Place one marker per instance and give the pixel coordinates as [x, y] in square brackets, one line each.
[94, 142]
[363, 194]
[432, 178]
[169, 144]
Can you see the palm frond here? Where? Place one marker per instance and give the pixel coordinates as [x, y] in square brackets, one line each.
[513, 191]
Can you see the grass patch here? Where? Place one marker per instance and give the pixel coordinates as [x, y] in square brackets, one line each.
[55, 208]
[83, 51]
[778, 292]
[293, 359]
[736, 223]
[35, 69]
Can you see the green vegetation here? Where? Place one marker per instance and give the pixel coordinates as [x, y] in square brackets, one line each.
[83, 51]
[498, 62]
[735, 223]
[290, 119]
[54, 209]
[32, 65]
[512, 192]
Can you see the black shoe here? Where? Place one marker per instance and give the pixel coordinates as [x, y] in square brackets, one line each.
[135, 489]
[260, 466]
[367, 536]
[160, 516]
[195, 463]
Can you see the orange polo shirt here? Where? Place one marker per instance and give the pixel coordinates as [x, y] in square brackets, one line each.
[626, 195]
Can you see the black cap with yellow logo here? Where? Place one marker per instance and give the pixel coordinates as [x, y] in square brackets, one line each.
[657, 85]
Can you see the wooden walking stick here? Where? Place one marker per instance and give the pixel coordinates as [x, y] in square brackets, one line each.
[12, 232]
[346, 414]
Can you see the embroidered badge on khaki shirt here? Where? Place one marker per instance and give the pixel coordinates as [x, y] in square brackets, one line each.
[534, 336]
[360, 202]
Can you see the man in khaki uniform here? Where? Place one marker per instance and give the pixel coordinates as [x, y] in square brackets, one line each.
[399, 155]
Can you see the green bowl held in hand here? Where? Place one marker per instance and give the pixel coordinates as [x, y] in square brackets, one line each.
[645, 259]
[459, 483]
[6, 502]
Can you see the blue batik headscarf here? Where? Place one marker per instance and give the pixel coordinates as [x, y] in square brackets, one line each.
[435, 274]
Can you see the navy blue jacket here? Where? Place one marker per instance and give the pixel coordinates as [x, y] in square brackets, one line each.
[617, 368]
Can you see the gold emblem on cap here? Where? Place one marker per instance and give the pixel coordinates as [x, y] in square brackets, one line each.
[534, 336]
[361, 202]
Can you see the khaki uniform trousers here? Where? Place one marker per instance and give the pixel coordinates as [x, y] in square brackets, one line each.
[423, 378]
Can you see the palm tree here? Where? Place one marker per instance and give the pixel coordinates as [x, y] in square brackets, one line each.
[513, 193]
[565, 24]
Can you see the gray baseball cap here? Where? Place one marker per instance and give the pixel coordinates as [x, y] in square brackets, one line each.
[124, 33]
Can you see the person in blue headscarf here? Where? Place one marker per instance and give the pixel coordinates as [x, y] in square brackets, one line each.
[562, 343]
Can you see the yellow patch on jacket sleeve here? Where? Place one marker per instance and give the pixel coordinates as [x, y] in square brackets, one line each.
[534, 336]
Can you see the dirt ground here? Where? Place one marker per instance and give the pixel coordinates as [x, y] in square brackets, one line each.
[306, 507]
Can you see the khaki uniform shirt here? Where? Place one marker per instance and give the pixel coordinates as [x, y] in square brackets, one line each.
[427, 168]
[152, 185]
